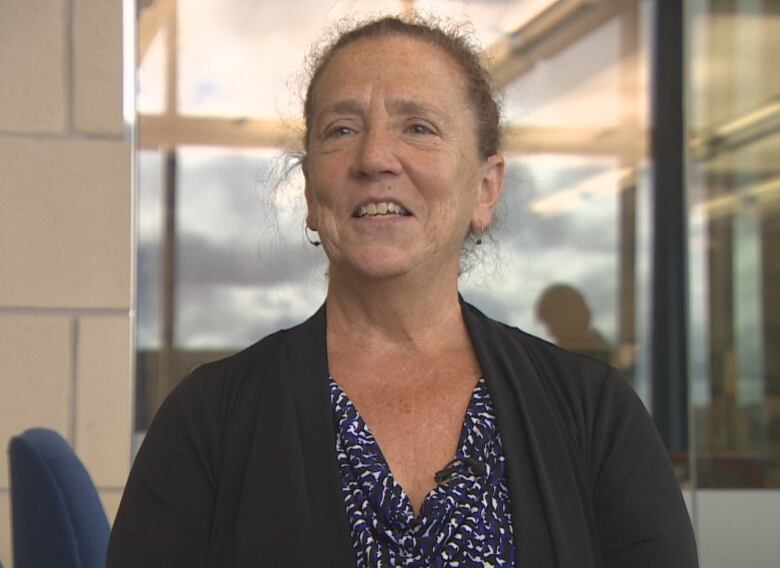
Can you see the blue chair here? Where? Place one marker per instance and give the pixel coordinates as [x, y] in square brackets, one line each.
[56, 514]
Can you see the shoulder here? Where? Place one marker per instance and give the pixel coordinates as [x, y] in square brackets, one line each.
[576, 379]
[588, 398]
[615, 450]
[597, 408]
[557, 368]
[224, 378]
[214, 390]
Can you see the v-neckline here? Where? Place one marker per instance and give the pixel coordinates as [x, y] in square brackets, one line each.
[411, 514]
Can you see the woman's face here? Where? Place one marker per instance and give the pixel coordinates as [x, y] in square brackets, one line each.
[394, 179]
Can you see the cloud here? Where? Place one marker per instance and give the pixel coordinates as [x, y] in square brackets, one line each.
[244, 268]
[224, 317]
[202, 261]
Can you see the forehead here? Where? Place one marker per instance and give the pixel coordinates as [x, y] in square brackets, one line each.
[398, 65]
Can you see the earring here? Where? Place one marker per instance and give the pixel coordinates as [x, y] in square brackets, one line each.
[314, 242]
[478, 240]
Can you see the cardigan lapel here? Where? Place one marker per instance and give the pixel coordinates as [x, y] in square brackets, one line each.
[288, 508]
[308, 362]
[547, 516]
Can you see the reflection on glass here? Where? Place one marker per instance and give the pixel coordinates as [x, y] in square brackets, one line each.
[558, 269]
[149, 264]
[235, 265]
[244, 267]
[243, 58]
[735, 243]
[151, 92]
[149, 220]
[567, 316]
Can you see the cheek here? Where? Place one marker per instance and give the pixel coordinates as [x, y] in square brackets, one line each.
[323, 178]
[317, 192]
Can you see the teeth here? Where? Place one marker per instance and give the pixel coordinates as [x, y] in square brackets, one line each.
[382, 208]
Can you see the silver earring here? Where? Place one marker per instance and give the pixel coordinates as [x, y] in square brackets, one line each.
[315, 242]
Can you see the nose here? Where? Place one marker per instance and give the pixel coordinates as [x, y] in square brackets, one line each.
[375, 153]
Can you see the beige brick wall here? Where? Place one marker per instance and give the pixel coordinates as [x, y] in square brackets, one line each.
[65, 237]
[33, 74]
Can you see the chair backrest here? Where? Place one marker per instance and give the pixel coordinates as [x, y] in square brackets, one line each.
[57, 517]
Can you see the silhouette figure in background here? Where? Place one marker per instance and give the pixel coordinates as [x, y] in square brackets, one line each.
[567, 317]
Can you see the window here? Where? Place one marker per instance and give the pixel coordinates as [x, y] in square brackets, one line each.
[223, 260]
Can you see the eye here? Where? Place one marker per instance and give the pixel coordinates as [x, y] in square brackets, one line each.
[338, 131]
[420, 129]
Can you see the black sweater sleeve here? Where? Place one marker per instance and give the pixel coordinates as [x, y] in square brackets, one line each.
[165, 514]
[641, 517]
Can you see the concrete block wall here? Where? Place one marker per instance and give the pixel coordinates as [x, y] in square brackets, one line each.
[65, 237]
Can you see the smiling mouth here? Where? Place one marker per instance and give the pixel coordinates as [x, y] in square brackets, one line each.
[382, 209]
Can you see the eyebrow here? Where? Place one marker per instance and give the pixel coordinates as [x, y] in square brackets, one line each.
[400, 106]
[406, 106]
[346, 106]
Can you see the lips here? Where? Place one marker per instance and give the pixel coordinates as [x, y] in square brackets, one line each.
[381, 209]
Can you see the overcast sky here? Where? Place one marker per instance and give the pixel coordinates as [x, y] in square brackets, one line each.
[244, 268]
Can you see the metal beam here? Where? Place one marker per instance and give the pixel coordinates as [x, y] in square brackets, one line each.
[669, 343]
[612, 141]
[554, 29]
[162, 131]
[153, 17]
[759, 123]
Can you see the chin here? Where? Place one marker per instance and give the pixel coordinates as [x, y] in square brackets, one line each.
[379, 265]
[380, 271]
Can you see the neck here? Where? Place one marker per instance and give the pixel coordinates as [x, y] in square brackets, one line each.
[394, 313]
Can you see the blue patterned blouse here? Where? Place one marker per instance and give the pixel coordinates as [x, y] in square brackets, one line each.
[464, 521]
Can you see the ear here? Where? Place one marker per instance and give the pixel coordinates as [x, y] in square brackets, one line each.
[490, 189]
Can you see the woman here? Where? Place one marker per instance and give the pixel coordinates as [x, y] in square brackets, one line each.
[272, 457]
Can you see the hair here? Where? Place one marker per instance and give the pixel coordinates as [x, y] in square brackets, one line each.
[453, 40]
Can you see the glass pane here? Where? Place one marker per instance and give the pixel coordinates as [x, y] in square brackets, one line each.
[735, 243]
[578, 87]
[150, 97]
[571, 261]
[244, 268]
[239, 58]
[243, 58]
[150, 225]
[558, 252]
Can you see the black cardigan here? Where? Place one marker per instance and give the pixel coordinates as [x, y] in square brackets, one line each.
[238, 468]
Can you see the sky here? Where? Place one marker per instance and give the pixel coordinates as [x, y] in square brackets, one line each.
[244, 268]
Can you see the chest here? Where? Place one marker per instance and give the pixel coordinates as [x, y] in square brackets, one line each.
[415, 413]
